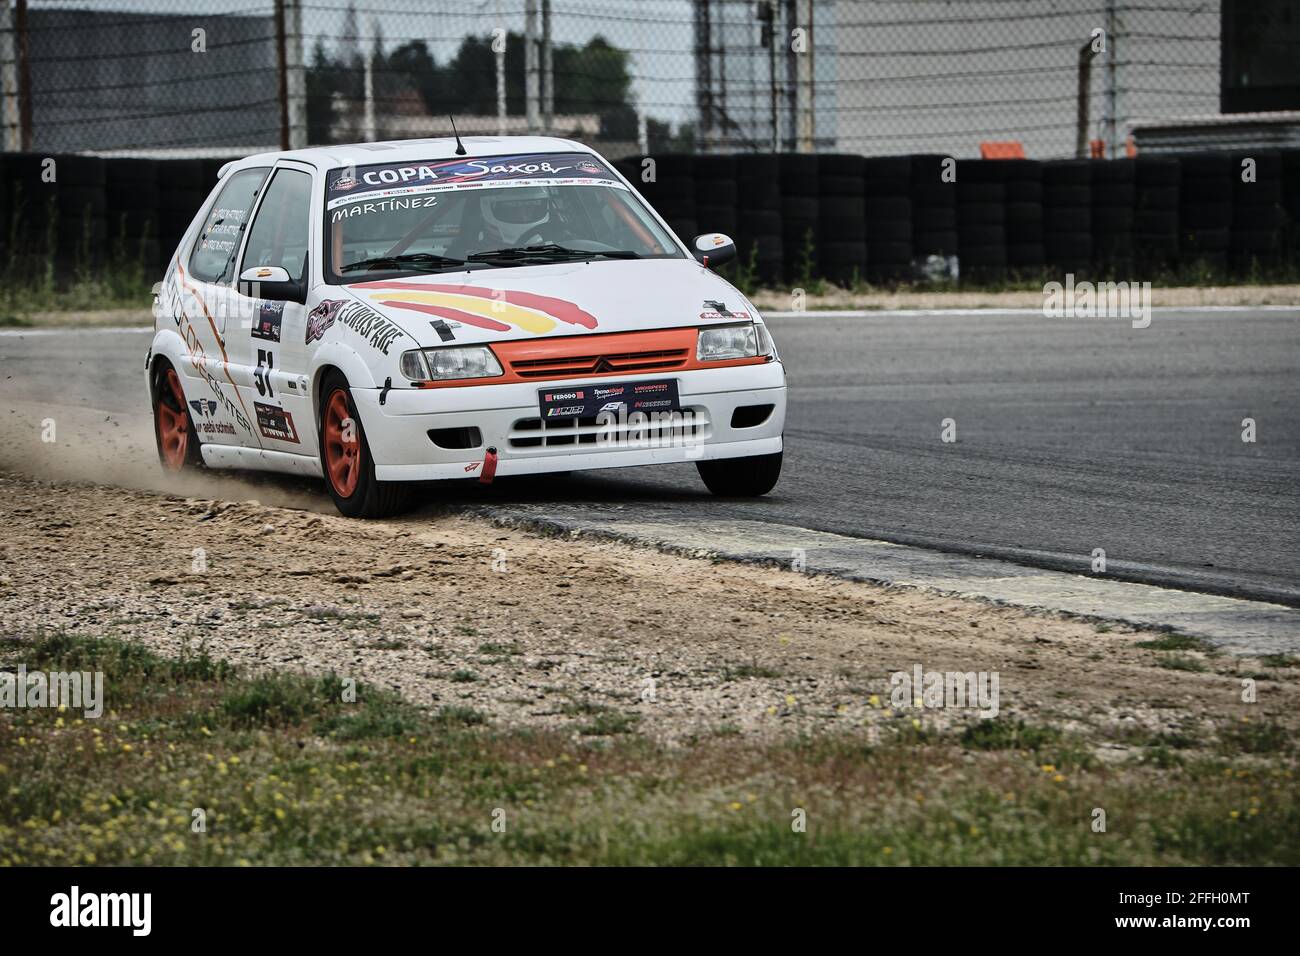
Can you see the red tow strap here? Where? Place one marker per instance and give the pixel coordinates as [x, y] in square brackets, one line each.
[489, 467]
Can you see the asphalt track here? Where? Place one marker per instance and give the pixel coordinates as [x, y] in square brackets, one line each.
[1071, 435]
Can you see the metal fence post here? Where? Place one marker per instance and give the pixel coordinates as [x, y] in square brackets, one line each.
[295, 74]
[548, 72]
[24, 71]
[9, 78]
[532, 91]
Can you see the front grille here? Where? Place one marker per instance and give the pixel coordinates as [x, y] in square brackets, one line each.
[624, 362]
[575, 432]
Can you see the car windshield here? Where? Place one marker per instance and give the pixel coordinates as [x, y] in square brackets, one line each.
[413, 218]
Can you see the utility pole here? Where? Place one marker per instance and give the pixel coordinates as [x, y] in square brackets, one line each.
[1082, 106]
[803, 121]
[767, 17]
[532, 93]
[548, 71]
[282, 72]
[24, 84]
[295, 74]
[371, 132]
[703, 75]
[1112, 86]
[499, 48]
[9, 79]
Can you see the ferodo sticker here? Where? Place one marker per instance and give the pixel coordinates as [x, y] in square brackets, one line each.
[588, 401]
[275, 423]
[344, 186]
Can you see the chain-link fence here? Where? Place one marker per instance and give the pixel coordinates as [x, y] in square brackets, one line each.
[875, 77]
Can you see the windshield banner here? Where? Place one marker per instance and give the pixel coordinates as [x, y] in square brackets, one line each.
[400, 179]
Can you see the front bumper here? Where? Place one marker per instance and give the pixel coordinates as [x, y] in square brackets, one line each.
[506, 418]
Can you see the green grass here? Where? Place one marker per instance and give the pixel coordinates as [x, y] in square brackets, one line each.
[753, 669]
[1254, 737]
[1279, 660]
[1177, 642]
[1178, 662]
[500, 649]
[290, 772]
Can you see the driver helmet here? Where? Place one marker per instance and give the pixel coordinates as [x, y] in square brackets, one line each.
[511, 214]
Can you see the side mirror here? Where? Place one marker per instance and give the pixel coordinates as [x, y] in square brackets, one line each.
[272, 282]
[713, 249]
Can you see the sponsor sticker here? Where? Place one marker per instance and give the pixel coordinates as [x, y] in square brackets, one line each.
[266, 326]
[275, 423]
[364, 321]
[529, 169]
[590, 400]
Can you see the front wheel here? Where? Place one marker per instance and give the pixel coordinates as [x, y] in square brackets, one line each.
[741, 477]
[345, 458]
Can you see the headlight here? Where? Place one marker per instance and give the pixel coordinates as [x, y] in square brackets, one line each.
[721, 343]
[437, 365]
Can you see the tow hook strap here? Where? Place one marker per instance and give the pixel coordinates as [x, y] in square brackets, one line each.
[489, 467]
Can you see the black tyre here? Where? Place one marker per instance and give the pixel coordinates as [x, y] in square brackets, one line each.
[346, 462]
[741, 477]
[173, 425]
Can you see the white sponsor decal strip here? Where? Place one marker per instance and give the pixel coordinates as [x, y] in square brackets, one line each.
[375, 195]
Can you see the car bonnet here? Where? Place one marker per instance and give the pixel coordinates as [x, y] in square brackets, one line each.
[527, 302]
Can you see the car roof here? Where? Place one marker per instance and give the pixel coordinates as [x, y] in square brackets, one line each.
[413, 150]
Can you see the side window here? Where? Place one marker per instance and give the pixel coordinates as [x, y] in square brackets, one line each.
[279, 234]
[213, 257]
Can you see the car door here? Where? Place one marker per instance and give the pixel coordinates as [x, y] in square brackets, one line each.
[221, 414]
[272, 331]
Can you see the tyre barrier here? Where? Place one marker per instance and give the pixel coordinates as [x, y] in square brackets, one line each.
[1157, 184]
[1258, 216]
[716, 194]
[1205, 211]
[982, 219]
[800, 203]
[1114, 197]
[934, 214]
[1023, 180]
[841, 218]
[888, 215]
[1291, 202]
[1067, 215]
[758, 216]
[835, 216]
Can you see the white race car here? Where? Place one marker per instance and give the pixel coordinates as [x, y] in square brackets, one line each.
[392, 313]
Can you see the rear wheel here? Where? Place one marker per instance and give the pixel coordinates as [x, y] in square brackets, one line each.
[178, 442]
[741, 477]
[345, 458]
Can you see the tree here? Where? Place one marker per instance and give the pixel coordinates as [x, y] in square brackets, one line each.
[592, 78]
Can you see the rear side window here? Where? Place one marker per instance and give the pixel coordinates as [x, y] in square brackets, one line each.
[213, 259]
[279, 235]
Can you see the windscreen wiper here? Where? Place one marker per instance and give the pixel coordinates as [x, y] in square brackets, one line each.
[402, 261]
[549, 251]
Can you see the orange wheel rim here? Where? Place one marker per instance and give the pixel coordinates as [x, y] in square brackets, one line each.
[173, 423]
[342, 447]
